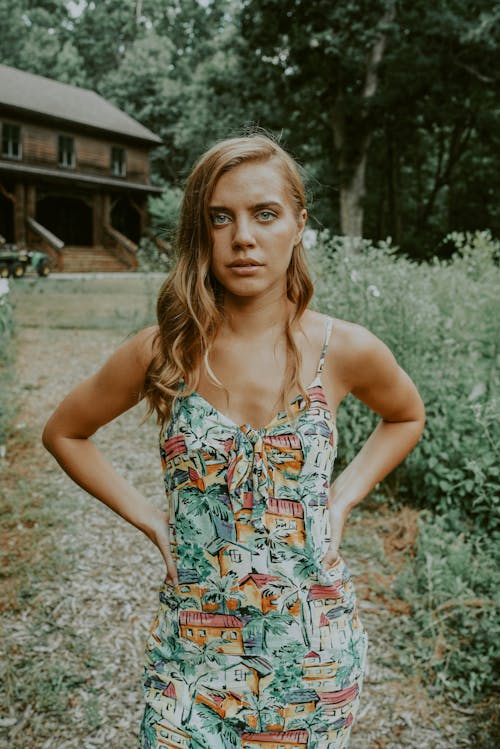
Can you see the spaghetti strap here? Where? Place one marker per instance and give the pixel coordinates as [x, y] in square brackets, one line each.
[329, 325]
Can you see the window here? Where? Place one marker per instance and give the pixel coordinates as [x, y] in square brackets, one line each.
[118, 163]
[11, 141]
[66, 152]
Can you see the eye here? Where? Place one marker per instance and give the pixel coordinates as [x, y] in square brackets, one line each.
[266, 216]
[219, 219]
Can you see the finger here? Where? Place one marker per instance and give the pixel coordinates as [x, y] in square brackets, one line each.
[337, 524]
[162, 541]
[166, 553]
[331, 557]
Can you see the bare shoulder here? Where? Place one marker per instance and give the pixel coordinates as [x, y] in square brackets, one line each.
[356, 354]
[362, 364]
[125, 369]
[145, 344]
[113, 389]
[350, 347]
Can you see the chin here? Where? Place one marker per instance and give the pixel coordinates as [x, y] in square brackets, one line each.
[246, 292]
[241, 284]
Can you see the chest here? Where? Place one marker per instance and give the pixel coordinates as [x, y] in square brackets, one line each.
[253, 377]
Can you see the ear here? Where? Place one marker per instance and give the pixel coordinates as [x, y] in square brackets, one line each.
[301, 224]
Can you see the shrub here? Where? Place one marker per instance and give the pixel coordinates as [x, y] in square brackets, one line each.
[440, 321]
[454, 629]
[154, 253]
[151, 257]
[164, 212]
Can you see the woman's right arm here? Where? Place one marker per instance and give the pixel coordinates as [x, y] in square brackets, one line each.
[113, 389]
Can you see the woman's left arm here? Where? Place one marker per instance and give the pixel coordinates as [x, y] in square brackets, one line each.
[370, 372]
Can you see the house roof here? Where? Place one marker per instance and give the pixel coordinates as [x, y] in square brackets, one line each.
[75, 177]
[44, 96]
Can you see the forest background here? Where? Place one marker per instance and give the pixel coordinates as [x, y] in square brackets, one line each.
[392, 110]
[391, 107]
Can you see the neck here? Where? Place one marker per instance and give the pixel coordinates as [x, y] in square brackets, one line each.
[253, 318]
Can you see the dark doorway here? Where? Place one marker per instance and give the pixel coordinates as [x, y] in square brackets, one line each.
[6, 218]
[125, 218]
[69, 219]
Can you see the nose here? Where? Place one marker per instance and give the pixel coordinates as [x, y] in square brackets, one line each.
[242, 233]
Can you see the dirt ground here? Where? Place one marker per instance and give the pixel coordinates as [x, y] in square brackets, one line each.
[78, 588]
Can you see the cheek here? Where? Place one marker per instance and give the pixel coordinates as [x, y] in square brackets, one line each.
[218, 263]
[217, 251]
[283, 242]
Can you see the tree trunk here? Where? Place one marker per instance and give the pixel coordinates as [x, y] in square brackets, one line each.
[351, 200]
[353, 156]
[393, 187]
[138, 11]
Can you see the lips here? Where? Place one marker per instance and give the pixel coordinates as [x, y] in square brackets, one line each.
[243, 263]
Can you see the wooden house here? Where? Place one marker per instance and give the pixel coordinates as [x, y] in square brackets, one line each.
[74, 173]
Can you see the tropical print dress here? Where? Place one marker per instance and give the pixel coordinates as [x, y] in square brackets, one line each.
[258, 646]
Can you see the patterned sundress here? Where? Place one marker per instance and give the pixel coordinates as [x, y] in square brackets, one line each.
[258, 646]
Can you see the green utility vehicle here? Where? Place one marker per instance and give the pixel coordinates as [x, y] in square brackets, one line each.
[14, 262]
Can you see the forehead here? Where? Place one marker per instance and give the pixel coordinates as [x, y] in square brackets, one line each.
[251, 182]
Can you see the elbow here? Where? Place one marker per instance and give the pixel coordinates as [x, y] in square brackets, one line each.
[422, 417]
[55, 435]
[417, 415]
[49, 437]
[419, 423]
[418, 411]
[415, 424]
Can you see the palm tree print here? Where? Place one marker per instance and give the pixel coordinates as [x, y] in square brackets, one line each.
[220, 590]
[257, 639]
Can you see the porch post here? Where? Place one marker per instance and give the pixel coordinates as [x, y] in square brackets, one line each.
[30, 208]
[19, 208]
[97, 220]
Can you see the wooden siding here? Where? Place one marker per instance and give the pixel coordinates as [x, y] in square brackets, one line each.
[93, 153]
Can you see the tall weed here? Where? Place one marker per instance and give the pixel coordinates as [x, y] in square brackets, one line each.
[440, 320]
[454, 629]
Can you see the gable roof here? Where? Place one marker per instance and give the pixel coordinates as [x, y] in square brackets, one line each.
[81, 106]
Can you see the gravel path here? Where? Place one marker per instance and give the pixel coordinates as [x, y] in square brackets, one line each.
[73, 648]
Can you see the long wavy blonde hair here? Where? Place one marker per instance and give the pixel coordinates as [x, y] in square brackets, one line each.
[190, 305]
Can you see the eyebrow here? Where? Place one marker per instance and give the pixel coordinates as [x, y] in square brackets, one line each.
[256, 207]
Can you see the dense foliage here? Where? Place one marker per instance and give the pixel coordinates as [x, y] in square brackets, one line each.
[389, 106]
[454, 626]
[440, 320]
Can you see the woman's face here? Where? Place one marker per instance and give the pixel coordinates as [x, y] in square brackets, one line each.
[253, 218]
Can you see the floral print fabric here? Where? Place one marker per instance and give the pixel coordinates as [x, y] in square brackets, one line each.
[258, 646]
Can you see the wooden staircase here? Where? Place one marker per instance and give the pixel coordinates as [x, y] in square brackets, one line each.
[91, 260]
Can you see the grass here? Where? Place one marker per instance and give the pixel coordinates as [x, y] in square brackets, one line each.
[86, 303]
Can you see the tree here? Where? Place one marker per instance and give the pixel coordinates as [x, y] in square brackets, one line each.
[390, 106]
[437, 113]
[37, 37]
[325, 58]
[410, 80]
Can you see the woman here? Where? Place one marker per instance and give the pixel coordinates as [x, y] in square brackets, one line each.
[257, 637]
